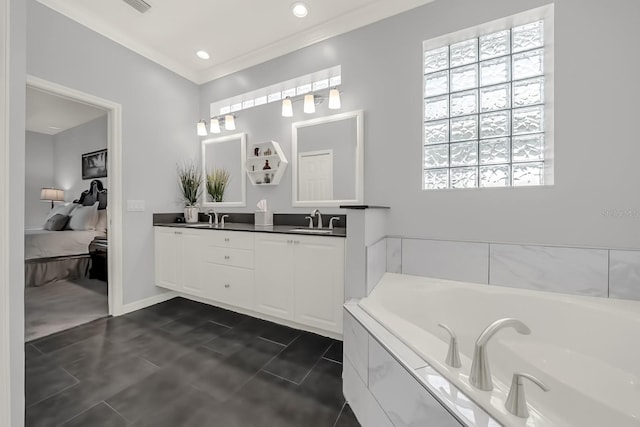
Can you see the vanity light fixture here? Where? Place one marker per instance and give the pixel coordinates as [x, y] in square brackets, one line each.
[309, 104]
[299, 9]
[214, 126]
[287, 107]
[334, 99]
[230, 122]
[202, 128]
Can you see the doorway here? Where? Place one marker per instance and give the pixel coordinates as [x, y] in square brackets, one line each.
[81, 284]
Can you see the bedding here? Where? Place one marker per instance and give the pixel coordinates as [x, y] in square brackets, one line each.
[84, 218]
[47, 244]
[57, 222]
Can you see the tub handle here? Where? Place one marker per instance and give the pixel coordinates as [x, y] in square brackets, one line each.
[453, 355]
[516, 400]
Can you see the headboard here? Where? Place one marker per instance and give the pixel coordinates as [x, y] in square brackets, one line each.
[95, 193]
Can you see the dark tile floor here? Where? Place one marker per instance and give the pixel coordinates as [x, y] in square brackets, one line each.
[182, 363]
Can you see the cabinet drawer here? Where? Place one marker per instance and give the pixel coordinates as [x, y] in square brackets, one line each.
[230, 239]
[229, 256]
[230, 285]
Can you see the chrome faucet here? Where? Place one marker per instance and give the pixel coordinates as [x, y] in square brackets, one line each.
[516, 400]
[334, 218]
[310, 218]
[316, 212]
[212, 214]
[480, 376]
[222, 220]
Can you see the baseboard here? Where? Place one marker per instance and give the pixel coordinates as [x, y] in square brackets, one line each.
[143, 303]
[289, 323]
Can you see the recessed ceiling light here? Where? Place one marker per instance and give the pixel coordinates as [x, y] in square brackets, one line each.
[202, 54]
[53, 127]
[299, 9]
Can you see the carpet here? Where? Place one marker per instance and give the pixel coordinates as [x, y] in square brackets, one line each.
[63, 305]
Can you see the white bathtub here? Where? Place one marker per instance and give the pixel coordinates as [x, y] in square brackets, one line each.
[587, 350]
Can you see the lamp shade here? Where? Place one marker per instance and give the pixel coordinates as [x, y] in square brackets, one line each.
[52, 195]
[229, 122]
[309, 104]
[202, 128]
[287, 107]
[215, 125]
[334, 99]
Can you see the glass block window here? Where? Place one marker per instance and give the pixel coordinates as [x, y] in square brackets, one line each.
[484, 111]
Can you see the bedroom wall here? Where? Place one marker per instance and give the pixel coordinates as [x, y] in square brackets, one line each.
[159, 111]
[69, 146]
[39, 173]
[594, 200]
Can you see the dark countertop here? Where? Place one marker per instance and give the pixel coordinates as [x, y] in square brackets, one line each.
[236, 226]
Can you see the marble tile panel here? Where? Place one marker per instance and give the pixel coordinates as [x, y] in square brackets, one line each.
[462, 261]
[394, 255]
[624, 274]
[376, 263]
[404, 400]
[364, 405]
[576, 271]
[356, 346]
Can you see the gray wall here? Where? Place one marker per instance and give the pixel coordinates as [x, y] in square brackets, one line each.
[38, 174]
[594, 201]
[69, 147]
[159, 111]
[16, 174]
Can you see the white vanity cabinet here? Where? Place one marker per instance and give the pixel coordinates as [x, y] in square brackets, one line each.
[227, 267]
[301, 278]
[296, 278]
[178, 254]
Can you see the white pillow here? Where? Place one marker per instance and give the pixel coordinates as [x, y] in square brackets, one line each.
[101, 224]
[84, 217]
[62, 209]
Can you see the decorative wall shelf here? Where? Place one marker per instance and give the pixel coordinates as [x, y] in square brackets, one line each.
[259, 155]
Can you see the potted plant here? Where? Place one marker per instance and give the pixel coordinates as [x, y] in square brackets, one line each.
[190, 182]
[217, 181]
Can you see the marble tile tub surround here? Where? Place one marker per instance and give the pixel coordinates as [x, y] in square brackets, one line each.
[599, 272]
[295, 220]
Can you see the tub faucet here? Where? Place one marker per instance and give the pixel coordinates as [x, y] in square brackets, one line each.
[317, 212]
[480, 376]
[516, 401]
[453, 355]
[213, 217]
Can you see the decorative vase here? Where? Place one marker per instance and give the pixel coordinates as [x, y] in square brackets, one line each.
[191, 214]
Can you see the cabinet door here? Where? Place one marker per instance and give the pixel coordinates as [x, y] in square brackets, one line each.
[319, 281]
[168, 258]
[191, 246]
[274, 274]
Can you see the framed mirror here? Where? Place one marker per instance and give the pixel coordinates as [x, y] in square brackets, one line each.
[327, 156]
[223, 172]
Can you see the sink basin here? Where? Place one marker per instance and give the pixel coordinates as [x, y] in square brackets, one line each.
[200, 225]
[311, 230]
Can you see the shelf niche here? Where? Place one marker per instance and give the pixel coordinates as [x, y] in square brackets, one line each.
[255, 163]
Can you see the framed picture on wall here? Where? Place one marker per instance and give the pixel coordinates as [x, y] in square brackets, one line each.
[94, 164]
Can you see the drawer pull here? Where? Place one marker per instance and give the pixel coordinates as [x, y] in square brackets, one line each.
[226, 239]
[226, 257]
[227, 285]
[177, 232]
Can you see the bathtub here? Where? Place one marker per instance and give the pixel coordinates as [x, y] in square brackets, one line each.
[587, 350]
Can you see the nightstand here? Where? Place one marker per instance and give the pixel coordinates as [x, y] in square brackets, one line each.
[98, 249]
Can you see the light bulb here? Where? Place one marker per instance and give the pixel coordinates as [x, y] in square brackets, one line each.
[309, 104]
[287, 107]
[229, 122]
[202, 128]
[214, 127]
[299, 9]
[334, 99]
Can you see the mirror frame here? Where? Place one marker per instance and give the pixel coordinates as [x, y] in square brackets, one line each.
[359, 166]
[243, 175]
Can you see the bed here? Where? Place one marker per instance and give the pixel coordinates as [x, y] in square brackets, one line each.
[51, 256]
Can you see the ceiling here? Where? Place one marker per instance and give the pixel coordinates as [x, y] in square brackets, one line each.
[51, 114]
[236, 33]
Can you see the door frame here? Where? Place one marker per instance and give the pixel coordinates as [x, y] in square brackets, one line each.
[5, 332]
[114, 172]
